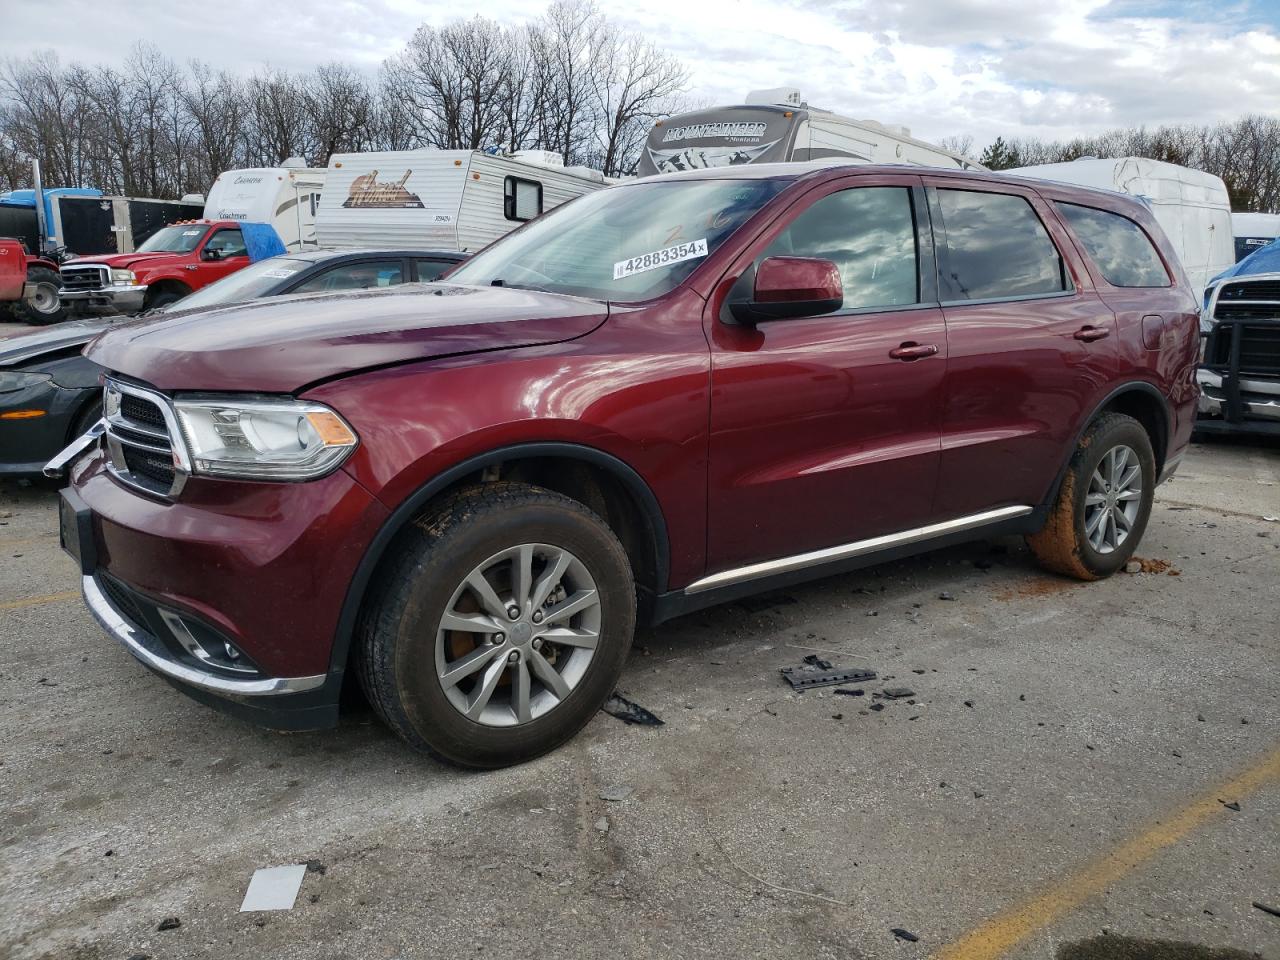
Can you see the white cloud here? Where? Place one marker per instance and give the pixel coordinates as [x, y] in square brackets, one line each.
[984, 67]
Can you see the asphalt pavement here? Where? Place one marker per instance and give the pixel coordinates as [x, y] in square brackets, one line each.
[1075, 761]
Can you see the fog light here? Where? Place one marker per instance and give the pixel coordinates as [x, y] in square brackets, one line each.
[221, 654]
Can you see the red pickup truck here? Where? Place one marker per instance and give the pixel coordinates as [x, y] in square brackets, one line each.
[173, 262]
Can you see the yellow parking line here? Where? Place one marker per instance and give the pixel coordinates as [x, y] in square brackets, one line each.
[1007, 929]
[36, 601]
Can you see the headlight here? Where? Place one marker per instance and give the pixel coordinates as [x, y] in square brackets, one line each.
[263, 439]
[123, 276]
[11, 381]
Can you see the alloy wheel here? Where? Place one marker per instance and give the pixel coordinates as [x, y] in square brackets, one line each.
[1114, 499]
[518, 634]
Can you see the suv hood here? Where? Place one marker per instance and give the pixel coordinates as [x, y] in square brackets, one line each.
[282, 344]
[126, 261]
[32, 344]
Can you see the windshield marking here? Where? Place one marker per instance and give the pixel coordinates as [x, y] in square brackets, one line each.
[660, 258]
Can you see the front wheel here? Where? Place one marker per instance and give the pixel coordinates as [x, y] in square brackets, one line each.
[500, 626]
[1103, 504]
[44, 306]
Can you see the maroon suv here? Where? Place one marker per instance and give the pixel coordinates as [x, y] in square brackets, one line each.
[663, 395]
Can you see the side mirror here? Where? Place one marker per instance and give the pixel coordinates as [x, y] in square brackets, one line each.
[789, 287]
[211, 253]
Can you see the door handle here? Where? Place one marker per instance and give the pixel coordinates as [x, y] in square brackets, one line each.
[913, 351]
[1089, 333]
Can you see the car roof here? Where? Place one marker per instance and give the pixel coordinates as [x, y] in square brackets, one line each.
[323, 256]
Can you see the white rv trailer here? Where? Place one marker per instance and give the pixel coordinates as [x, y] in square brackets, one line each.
[1253, 231]
[441, 199]
[1191, 206]
[777, 125]
[286, 197]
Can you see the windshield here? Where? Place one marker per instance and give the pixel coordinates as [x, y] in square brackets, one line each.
[175, 238]
[253, 281]
[624, 244]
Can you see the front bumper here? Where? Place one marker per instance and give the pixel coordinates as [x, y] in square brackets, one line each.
[121, 298]
[1238, 405]
[27, 442]
[263, 567]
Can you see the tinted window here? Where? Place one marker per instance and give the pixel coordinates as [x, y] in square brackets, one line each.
[354, 276]
[229, 243]
[870, 234]
[1119, 247]
[431, 269]
[523, 199]
[993, 245]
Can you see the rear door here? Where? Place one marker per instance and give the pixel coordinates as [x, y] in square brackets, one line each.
[1030, 344]
[819, 435]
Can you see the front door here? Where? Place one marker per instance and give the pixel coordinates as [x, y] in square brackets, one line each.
[231, 254]
[825, 430]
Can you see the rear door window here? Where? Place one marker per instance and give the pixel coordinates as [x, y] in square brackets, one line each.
[354, 276]
[870, 234]
[1121, 249]
[992, 246]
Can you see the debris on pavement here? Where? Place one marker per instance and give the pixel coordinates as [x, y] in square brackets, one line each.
[1267, 908]
[850, 693]
[877, 707]
[273, 888]
[945, 596]
[616, 793]
[169, 923]
[1233, 805]
[817, 672]
[902, 934]
[603, 824]
[628, 712]
[1133, 566]
[897, 693]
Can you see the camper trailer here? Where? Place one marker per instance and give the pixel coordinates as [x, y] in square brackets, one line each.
[1191, 206]
[286, 197]
[1253, 231]
[777, 125]
[441, 199]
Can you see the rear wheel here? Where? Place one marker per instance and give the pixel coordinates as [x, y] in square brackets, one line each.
[44, 306]
[500, 627]
[1104, 503]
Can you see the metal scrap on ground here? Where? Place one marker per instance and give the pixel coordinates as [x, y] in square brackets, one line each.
[628, 712]
[819, 673]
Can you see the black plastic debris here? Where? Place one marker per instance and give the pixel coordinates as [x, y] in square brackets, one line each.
[851, 693]
[906, 935]
[817, 662]
[628, 712]
[877, 707]
[898, 693]
[1233, 805]
[169, 923]
[820, 674]
[1267, 908]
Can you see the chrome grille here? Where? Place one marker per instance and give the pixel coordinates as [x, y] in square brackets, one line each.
[140, 439]
[84, 278]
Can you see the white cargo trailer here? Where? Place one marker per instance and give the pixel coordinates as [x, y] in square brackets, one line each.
[286, 197]
[441, 199]
[777, 125]
[1191, 206]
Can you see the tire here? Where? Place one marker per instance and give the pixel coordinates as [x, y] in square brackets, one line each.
[1103, 506]
[44, 308]
[162, 299]
[404, 652]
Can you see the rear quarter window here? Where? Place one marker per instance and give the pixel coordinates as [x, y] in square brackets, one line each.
[1121, 249]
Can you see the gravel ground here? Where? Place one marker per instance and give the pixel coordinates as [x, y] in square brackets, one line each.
[1053, 724]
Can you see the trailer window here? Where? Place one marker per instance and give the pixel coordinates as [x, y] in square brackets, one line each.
[1120, 248]
[522, 199]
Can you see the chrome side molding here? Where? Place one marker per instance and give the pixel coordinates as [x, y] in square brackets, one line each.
[58, 465]
[815, 558]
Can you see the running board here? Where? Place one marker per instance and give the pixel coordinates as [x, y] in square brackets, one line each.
[815, 558]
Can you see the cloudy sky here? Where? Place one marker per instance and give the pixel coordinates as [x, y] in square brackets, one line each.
[983, 67]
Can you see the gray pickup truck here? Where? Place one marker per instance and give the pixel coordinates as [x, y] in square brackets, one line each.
[1240, 374]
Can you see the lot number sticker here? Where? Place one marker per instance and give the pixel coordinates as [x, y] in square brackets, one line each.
[660, 258]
